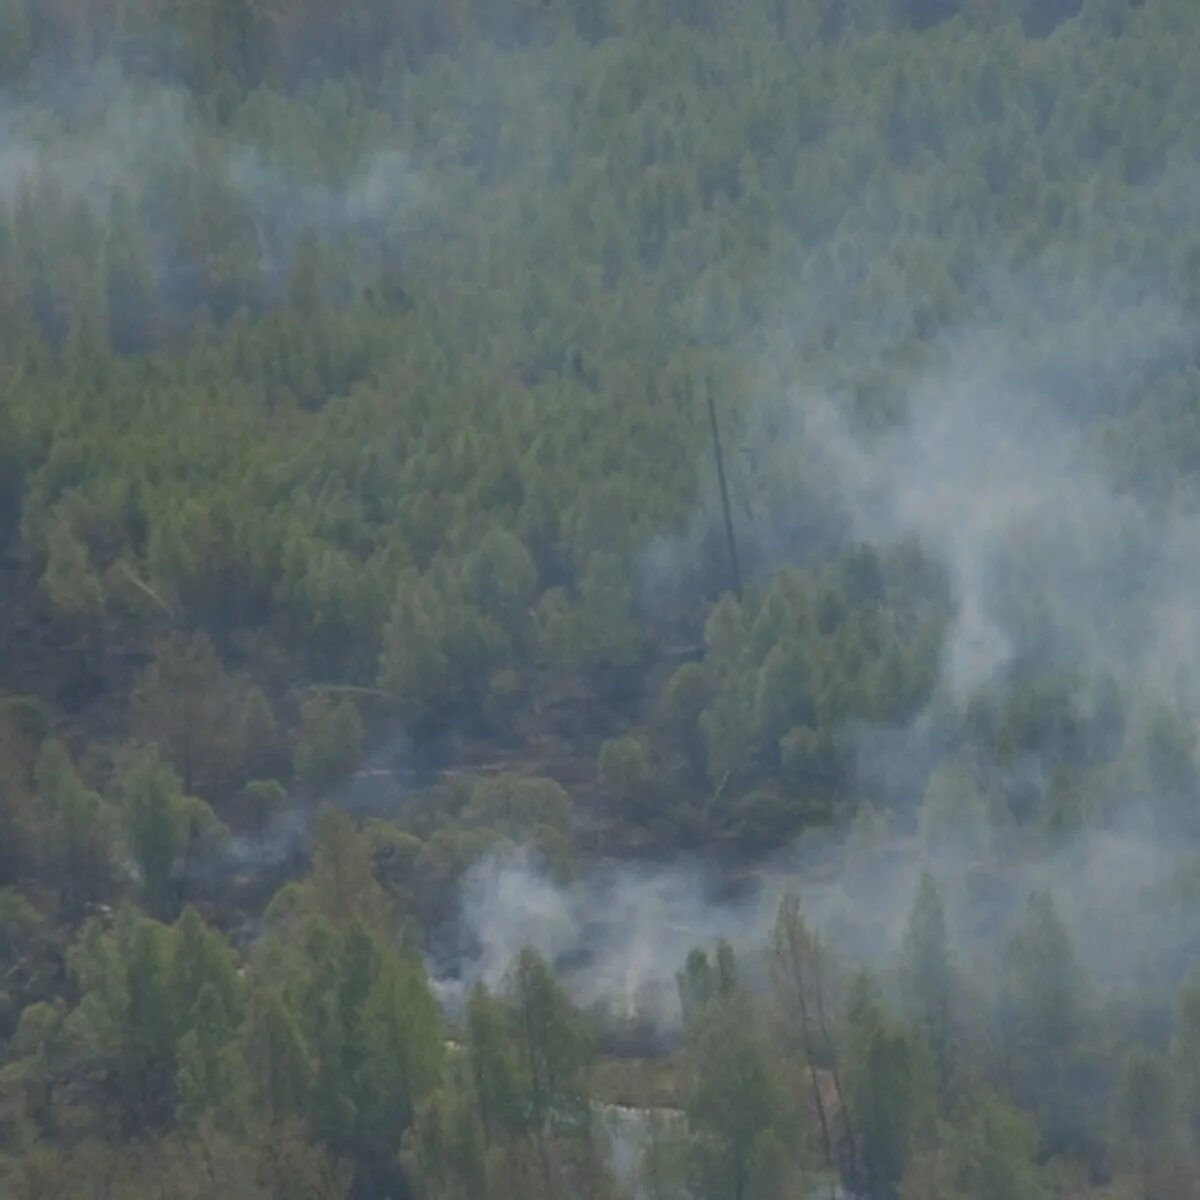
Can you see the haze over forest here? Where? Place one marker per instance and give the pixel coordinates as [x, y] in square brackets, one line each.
[406, 790]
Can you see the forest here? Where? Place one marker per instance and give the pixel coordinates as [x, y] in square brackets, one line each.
[597, 600]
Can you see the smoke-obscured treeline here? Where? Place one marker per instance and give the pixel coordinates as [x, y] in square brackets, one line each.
[355, 368]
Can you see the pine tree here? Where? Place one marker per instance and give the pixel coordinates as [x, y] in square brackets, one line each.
[889, 1082]
[153, 806]
[180, 705]
[16, 39]
[928, 973]
[1146, 1110]
[83, 830]
[278, 1060]
[554, 1051]
[493, 1066]
[210, 1080]
[735, 1100]
[400, 1046]
[1185, 1055]
[413, 666]
[329, 741]
[1045, 1018]
[342, 882]
[798, 971]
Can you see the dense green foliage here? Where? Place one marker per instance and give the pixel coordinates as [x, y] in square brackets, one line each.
[355, 363]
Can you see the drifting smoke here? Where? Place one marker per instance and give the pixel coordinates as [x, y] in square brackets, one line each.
[998, 470]
[617, 936]
[1047, 558]
[1001, 470]
[108, 136]
[380, 189]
